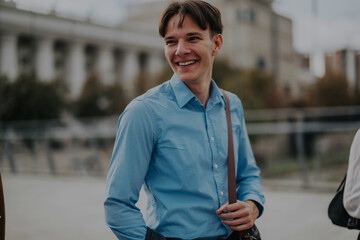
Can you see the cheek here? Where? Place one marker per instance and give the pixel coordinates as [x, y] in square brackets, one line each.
[168, 55]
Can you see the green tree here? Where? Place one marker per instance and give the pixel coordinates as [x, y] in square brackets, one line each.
[116, 98]
[163, 76]
[141, 83]
[225, 75]
[5, 98]
[144, 82]
[332, 90]
[96, 99]
[265, 91]
[255, 88]
[28, 98]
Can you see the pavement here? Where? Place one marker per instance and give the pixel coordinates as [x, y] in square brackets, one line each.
[42, 207]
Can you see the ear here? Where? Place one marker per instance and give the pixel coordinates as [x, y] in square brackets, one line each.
[218, 41]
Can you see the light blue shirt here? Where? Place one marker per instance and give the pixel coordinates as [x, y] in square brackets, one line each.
[168, 141]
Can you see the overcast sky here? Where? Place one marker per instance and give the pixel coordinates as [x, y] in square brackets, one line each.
[333, 24]
[318, 25]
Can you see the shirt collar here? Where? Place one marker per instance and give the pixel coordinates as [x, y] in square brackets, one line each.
[183, 94]
[216, 95]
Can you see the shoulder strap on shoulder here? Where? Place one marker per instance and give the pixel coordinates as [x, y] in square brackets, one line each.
[231, 161]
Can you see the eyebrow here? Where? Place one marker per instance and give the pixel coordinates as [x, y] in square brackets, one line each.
[194, 33]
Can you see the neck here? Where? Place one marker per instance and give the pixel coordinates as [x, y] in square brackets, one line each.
[201, 90]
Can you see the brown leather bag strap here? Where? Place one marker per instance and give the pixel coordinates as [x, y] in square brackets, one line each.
[2, 211]
[253, 232]
[231, 161]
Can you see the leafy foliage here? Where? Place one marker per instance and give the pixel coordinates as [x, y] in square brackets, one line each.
[164, 75]
[256, 88]
[332, 90]
[98, 100]
[29, 98]
[5, 98]
[144, 82]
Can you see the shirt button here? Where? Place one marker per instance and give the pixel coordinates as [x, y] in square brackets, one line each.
[216, 166]
[212, 139]
[221, 193]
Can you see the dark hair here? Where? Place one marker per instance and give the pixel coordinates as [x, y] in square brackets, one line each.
[201, 12]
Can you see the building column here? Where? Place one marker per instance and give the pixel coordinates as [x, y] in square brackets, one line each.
[131, 70]
[350, 67]
[45, 68]
[106, 64]
[76, 68]
[156, 64]
[9, 55]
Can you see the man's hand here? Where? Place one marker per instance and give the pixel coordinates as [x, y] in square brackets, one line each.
[240, 215]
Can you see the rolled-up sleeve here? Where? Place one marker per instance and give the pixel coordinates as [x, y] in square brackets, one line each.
[127, 171]
[249, 183]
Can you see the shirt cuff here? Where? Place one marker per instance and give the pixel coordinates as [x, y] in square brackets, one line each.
[257, 201]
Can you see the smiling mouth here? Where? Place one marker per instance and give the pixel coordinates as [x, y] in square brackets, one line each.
[186, 63]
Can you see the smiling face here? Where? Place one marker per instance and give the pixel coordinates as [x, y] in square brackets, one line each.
[190, 50]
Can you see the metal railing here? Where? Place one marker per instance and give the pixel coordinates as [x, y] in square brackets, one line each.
[84, 146]
[303, 121]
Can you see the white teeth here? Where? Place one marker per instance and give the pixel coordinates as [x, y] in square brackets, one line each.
[186, 63]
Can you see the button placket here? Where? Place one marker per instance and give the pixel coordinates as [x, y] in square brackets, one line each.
[217, 174]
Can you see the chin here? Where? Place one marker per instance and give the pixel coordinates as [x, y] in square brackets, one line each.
[186, 78]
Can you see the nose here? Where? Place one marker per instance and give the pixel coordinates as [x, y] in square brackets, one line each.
[182, 49]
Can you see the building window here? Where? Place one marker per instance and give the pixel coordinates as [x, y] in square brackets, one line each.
[246, 15]
[26, 54]
[91, 55]
[143, 61]
[261, 64]
[60, 53]
[119, 56]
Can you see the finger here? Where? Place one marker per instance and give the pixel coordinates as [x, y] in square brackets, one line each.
[237, 214]
[237, 222]
[236, 206]
[221, 209]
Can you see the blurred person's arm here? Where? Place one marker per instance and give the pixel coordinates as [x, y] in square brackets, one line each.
[352, 185]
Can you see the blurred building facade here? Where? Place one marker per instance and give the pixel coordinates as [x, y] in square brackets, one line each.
[306, 78]
[255, 36]
[57, 47]
[347, 62]
[54, 46]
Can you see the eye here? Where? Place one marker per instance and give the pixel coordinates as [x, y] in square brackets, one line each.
[170, 42]
[193, 39]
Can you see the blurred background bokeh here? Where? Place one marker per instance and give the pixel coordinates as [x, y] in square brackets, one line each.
[68, 69]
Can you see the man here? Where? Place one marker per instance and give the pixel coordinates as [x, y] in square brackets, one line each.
[173, 140]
